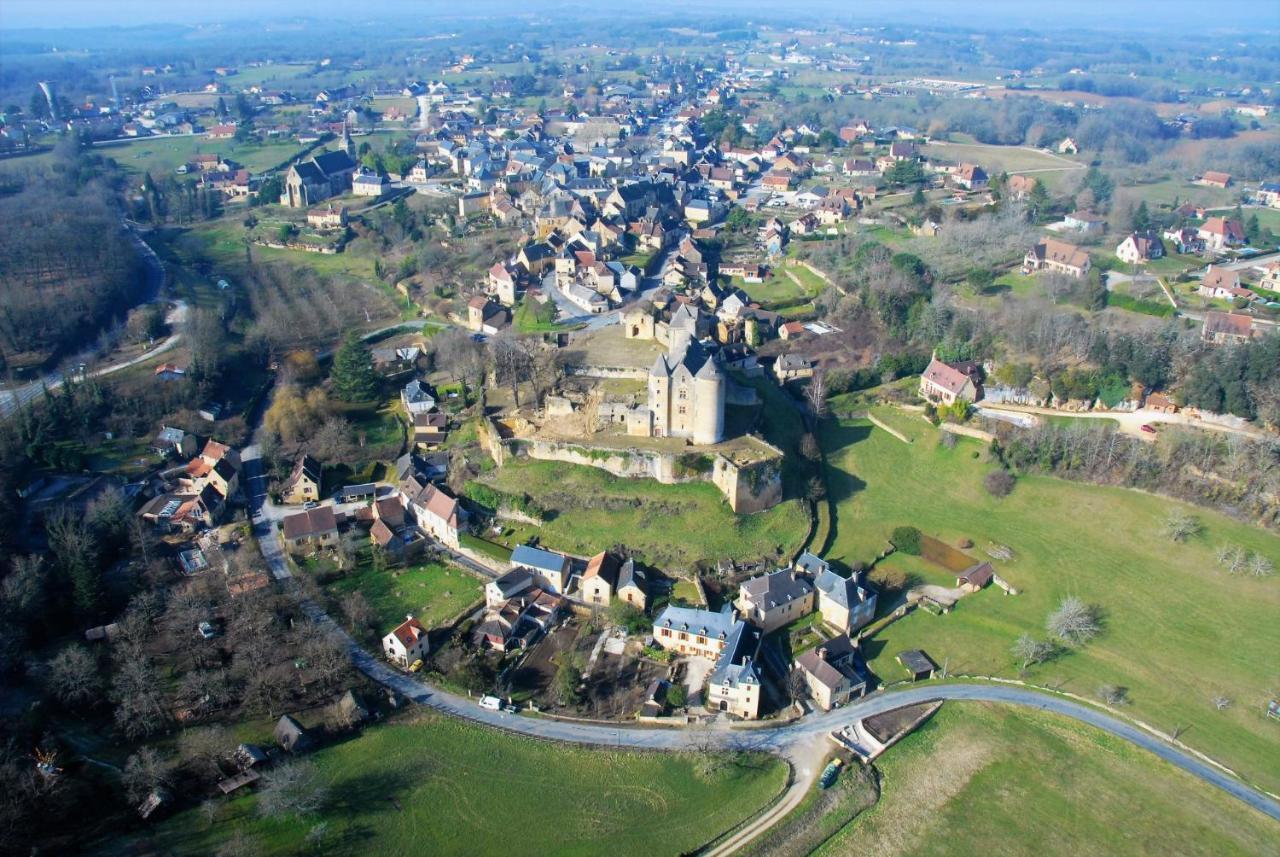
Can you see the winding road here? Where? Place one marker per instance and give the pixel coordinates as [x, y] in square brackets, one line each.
[782, 740]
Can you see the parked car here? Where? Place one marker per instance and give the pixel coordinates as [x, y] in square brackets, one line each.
[415, 666]
[510, 709]
[310, 504]
[491, 702]
[207, 630]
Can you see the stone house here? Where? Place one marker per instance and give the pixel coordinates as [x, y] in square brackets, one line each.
[406, 643]
[832, 672]
[775, 599]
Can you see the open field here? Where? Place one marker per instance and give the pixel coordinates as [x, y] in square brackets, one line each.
[162, 155]
[432, 592]
[982, 779]
[1178, 631]
[223, 242]
[668, 526]
[430, 785]
[776, 288]
[997, 159]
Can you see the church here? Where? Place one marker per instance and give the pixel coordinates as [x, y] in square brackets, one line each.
[687, 385]
[321, 176]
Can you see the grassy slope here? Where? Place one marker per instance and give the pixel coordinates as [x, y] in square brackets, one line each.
[1178, 630]
[667, 525]
[981, 779]
[162, 155]
[463, 789]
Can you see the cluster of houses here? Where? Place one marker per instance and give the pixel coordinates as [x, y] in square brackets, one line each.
[196, 495]
[834, 671]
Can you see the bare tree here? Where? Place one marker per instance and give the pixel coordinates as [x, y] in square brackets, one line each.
[1113, 694]
[357, 610]
[1074, 622]
[144, 772]
[1260, 566]
[1221, 702]
[512, 364]
[1029, 650]
[73, 676]
[1179, 525]
[204, 746]
[294, 788]
[816, 393]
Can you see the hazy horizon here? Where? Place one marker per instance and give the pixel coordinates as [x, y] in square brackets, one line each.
[55, 15]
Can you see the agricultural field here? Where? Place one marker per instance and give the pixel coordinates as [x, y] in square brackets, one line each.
[162, 155]
[985, 779]
[668, 526]
[997, 159]
[1178, 631]
[427, 784]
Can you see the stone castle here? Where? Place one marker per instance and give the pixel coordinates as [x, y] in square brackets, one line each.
[687, 385]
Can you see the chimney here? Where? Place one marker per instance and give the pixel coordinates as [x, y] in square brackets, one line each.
[822, 652]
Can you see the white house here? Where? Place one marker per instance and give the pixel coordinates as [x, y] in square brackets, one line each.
[407, 643]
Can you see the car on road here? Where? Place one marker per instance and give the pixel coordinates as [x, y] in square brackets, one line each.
[492, 703]
[310, 504]
[510, 709]
[1149, 429]
[415, 666]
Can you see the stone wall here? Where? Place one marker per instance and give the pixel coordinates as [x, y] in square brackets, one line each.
[587, 371]
[748, 488]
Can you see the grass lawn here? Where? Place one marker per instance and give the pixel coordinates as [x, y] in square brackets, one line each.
[776, 288]
[1018, 284]
[440, 786]
[432, 592]
[982, 779]
[668, 526]
[1178, 631]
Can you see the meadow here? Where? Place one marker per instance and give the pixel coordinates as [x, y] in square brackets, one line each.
[669, 526]
[428, 784]
[1178, 630]
[162, 155]
[984, 779]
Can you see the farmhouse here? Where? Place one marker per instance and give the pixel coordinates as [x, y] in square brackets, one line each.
[551, 569]
[832, 672]
[1020, 187]
[1085, 221]
[633, 586]
[1214, 178]
[970, 177]
[844, 603]
[772, 600]
[1058, 257]
[406, 643]
[946, 383]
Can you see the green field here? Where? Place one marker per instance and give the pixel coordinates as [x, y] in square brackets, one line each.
[997, 159]
[777, 288]
[668, 526]
[983, 779]
[162, 155]
[222, 241]
[440, 786]
[1178, 631]
[432, 592]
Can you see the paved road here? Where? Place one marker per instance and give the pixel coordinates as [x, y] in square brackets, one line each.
[783, 740]
[10, 398]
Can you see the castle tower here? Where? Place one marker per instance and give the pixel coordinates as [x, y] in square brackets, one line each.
[660, 396]
[709, 398]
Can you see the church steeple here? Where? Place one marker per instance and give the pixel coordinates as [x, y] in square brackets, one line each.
[348, 145]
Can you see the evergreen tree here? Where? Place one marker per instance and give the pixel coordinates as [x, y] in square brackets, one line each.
[1141, 218]
[917, 198]
[352, 375]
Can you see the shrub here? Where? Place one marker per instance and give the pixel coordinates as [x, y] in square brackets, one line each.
[907, 540]
[677, 696]
[998, 483]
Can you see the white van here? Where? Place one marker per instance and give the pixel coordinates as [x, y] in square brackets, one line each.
[491, 702]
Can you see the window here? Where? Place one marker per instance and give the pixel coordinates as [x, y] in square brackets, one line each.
[681, 410]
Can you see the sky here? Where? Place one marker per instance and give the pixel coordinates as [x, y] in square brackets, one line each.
[1249, 14]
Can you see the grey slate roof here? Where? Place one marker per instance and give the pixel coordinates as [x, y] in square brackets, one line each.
[695, 621]
[778, 587]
